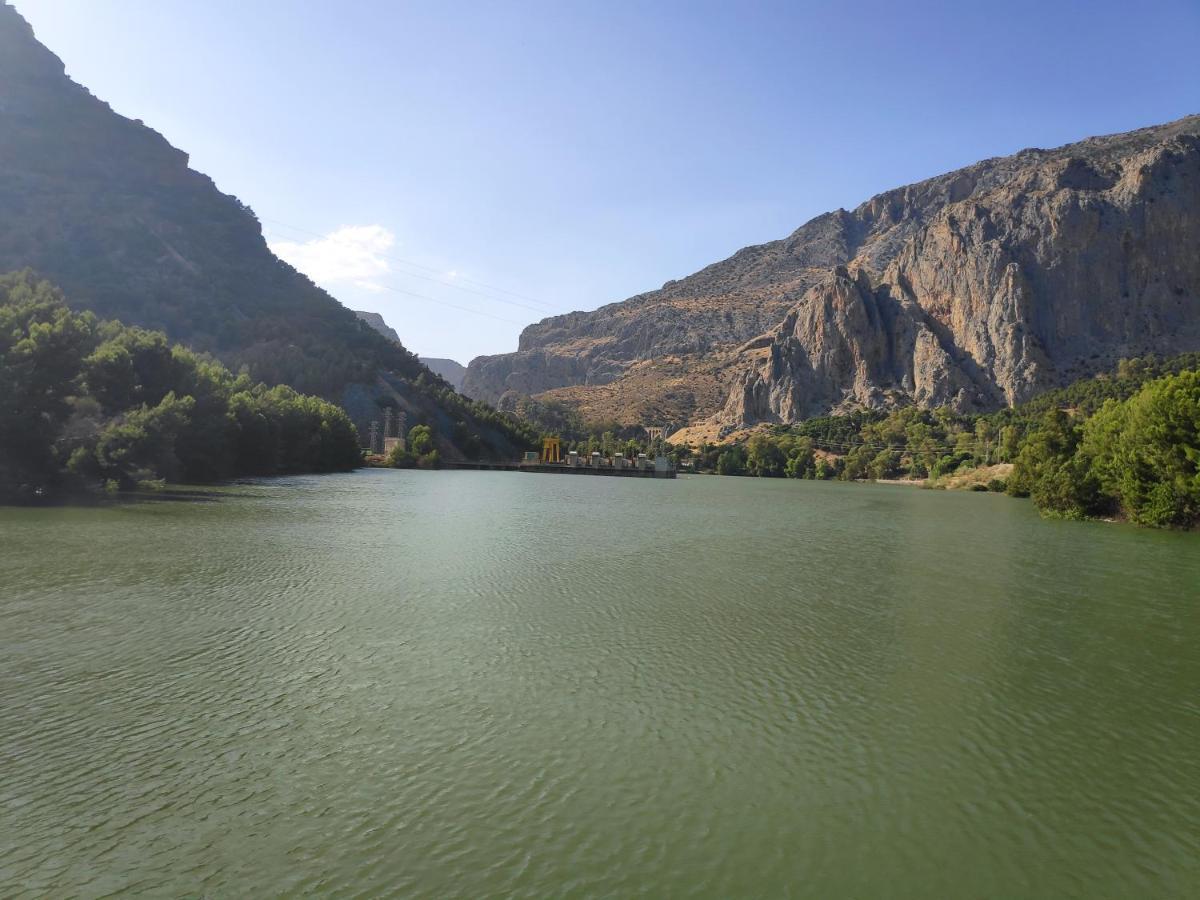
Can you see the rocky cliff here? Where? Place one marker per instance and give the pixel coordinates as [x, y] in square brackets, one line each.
[975, 289]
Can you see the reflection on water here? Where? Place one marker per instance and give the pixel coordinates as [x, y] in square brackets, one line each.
[469, 684]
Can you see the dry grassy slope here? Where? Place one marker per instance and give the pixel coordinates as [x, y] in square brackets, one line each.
[680, 353]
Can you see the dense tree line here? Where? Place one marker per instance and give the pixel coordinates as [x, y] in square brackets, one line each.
[85, 402]
[1123, 444]
[1137, 458]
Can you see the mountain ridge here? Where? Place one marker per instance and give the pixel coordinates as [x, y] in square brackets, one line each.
[449, 370]
[105, 207]
[685, 353]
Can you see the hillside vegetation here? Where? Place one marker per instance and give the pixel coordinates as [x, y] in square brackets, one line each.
[105, 208]
[1125, 445]
[85, 403]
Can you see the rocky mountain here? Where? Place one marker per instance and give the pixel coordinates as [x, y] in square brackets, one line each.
[975, 289]
[453, 372]
[450, 371]
[375, 321]
[106, 208]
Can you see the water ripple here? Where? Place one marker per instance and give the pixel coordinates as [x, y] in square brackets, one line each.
[493, 684]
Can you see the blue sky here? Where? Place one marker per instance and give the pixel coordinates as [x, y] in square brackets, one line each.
[506, 161]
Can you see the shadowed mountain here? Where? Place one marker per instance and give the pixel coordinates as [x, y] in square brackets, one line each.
[453, 372]
[106, 208]
[450, 371]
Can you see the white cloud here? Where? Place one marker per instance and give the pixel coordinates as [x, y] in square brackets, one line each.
[353, 254]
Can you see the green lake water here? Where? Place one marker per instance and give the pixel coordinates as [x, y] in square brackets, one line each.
[471, 684]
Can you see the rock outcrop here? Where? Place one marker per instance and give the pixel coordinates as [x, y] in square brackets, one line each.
[377, 323]
[974, 289]
[1077, 260]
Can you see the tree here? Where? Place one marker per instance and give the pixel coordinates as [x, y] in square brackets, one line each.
[801, 459]
[732, 461]
[87, 401]
[42, 345]
[140, 445]
[1145, 453]
[420, 439]
[764, 457]
[421, 450]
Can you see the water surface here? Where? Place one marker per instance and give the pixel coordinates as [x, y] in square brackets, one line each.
[499, 684]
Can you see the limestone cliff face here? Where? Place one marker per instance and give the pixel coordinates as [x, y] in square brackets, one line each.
[975, 289]
[711, 311]
[1080, 258]
[848, 344]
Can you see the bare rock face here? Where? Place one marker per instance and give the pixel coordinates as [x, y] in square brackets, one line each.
[716, 309]
[974, 289]
[1076, 261]
[849, 344]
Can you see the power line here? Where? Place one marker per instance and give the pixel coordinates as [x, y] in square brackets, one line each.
[478, 312]
[540, 308]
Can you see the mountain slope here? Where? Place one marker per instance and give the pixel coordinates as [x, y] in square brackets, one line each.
[976, 288]
[452, 371]
[375, 321]
[107, 209]
[447, 369]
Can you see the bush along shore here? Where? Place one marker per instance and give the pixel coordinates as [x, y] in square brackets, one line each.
[1120, 446]
[87, 405]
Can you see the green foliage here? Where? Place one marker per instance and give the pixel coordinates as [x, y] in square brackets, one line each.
[84, 402]
[546, 416]
[140, 445]
[420, 439]
[732, 461]
[1144, 453]
[41, 347]
[1139, 458]
[1125, 444]
[420, 453]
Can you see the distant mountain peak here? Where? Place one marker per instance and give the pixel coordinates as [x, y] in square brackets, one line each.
[375, 320]
[452, 371]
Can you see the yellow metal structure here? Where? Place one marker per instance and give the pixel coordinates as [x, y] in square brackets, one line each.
[551, 450]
